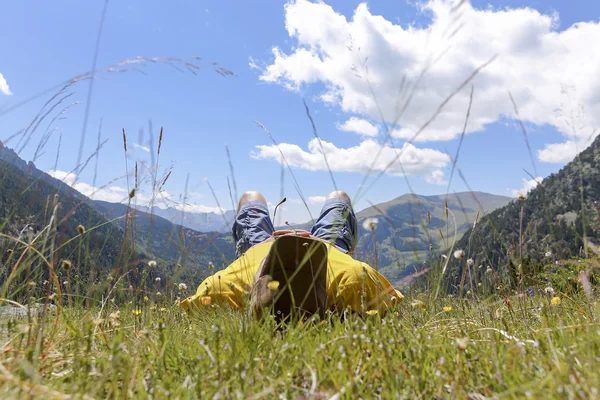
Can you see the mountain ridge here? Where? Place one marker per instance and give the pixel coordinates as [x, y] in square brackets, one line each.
[553, 219]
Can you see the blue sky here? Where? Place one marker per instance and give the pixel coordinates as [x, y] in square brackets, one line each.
[546, 58]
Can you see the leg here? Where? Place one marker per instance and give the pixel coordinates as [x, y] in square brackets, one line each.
[252, 223]
[337, 222]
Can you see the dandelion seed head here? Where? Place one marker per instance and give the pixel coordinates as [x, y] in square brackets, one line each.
[370, 224]
[459, 254]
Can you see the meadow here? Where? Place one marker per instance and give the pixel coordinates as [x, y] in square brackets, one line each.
[492, 343]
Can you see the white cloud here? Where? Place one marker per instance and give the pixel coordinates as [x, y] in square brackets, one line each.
[316, 200]
[144, 148]
[560, 153]
[117, 194]
[199, 208]
[360, 126]
[527, 186]
[67, 177]
[4, 86]
[111, 194]
[418, 162]
[436, 177]
[544, 69]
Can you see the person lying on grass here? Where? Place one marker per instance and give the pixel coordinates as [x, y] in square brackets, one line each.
[296, 272]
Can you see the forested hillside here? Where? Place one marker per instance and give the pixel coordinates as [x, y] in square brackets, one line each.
[556, 220]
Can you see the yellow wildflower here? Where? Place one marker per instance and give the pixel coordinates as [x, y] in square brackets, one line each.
[555, 301]
[447, 309]
[206, 300]
[136, 311]
[273, 285]
[372, 313]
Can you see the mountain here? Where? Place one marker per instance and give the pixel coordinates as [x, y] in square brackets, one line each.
[556, 217]
[198, 221]
[159, 236]
[108, 246]
[27, 201]
[409, 226]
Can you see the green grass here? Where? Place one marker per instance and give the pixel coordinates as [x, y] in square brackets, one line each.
[500, 347]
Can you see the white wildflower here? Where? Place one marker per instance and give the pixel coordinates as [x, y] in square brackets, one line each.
[470, 262]
[548, 254]
[462, 343]
[152, 263]
[182, 287]
[458, 254]
[157, 280]
[444, 256]
[417, 303]
[549, 290]
[488, 270]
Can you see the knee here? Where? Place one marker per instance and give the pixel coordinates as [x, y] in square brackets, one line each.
[339, 194]
[251, 196]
